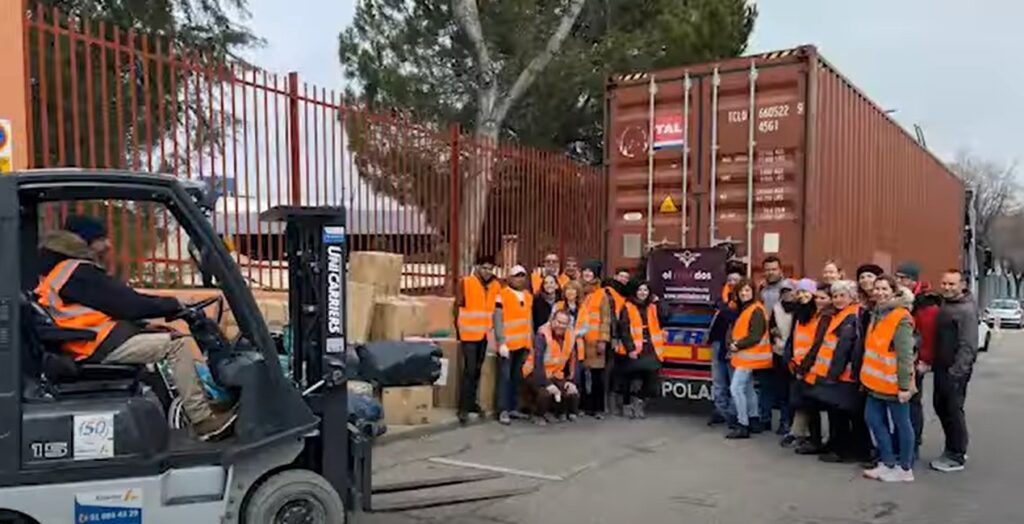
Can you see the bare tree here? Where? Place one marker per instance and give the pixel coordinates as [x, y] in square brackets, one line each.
[493, 105]
[996, 188]
[1000, 218]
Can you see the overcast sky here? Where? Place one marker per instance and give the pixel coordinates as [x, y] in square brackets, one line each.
[950, 68]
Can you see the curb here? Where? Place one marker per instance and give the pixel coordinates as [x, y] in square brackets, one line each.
[415, 432]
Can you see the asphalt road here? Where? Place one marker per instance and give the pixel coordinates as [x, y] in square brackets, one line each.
[671, 468]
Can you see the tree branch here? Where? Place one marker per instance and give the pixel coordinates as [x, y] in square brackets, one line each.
[468, 17]
[539, 62]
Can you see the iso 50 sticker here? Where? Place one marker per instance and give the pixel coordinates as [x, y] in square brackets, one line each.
[93, 436]
[6, 147]
[109, 507]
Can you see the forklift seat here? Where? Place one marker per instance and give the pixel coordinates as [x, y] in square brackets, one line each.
[59, 370]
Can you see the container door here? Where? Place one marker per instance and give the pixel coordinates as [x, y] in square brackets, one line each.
[651, 191]
[754, 162]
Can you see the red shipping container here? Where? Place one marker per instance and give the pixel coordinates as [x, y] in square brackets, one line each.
[782, 153]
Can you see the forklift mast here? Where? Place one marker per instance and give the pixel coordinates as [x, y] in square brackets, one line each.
[316, 255]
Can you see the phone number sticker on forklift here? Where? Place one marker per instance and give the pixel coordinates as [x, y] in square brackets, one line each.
[93, 436]
[109, 507]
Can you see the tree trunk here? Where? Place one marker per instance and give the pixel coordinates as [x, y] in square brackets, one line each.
[475, 192]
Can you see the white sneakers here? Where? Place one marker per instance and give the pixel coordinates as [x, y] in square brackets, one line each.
[886, 474]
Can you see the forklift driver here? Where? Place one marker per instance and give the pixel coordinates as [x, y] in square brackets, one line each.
[77, 292]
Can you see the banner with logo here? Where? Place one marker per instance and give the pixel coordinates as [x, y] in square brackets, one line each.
[687, 276]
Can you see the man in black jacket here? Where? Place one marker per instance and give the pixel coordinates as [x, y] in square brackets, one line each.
[79, 293]
[956, 348]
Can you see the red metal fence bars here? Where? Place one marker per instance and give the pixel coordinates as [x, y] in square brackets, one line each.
[102, 97]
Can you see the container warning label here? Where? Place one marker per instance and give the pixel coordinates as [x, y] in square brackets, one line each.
[109, 507]
[668, 205]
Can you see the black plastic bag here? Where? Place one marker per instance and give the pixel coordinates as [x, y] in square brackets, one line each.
[393, 363]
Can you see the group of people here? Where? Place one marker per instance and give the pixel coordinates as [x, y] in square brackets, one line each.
[567, 340]
[856, 351]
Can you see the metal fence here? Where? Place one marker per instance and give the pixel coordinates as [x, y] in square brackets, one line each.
[102, 97]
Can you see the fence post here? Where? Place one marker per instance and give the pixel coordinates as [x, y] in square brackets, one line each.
[294, 150]
[455, 176]
[15, 100]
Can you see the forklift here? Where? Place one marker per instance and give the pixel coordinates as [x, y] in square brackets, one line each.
[85, 442]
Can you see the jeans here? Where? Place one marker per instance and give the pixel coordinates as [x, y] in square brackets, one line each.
[744, 397]
[773, 393]
[950, 394]
[877, 413]
[472, 356]
[510, 376]
[721, 374]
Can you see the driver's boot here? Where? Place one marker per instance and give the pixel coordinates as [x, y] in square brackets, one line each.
[216, 426]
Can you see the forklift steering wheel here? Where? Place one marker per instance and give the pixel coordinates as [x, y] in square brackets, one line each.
[194, 308]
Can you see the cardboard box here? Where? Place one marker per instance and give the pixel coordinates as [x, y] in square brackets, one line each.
[359, 310]
[446, 389]
[396, 318]
[381, 270]
[440, 321]
[407, 406]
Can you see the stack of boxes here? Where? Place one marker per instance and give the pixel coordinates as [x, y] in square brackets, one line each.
[376, 310]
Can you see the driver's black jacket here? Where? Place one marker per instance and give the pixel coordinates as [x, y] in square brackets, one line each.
[90, 286]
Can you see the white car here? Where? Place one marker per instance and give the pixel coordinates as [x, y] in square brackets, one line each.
[984, 336]
[1004, 312]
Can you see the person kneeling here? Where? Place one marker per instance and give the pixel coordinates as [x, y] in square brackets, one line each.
[550, 369]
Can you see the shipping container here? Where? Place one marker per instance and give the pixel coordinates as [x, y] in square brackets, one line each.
[780, 154]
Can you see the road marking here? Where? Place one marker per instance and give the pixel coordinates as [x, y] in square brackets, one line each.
[498, 469]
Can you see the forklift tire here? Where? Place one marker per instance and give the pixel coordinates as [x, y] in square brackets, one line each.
[295, 495]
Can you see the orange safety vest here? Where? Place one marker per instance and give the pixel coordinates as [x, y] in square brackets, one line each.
[879, 370]
[618, 301]
[636, 329]
[827, 351]
[803, 340]
[590, 316]
[516, 315]
[73, 316]
[476, 316]
[556, 356]
[537, 280]
[758, 356]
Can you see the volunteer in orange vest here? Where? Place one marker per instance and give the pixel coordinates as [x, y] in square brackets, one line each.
[811, 319]
[572, 269]
[549, 371]
[619, 289]
[513, 332]
[832, 378]
[887, 373]
[594, 327]
[638, 355]
[77, 292]
[550, 267]
[475, 299]
[749, 351]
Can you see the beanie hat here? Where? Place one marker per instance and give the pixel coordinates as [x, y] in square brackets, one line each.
[910, 269]
[874, 269]
[87, 228]
[595, 266]
[806, 284]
